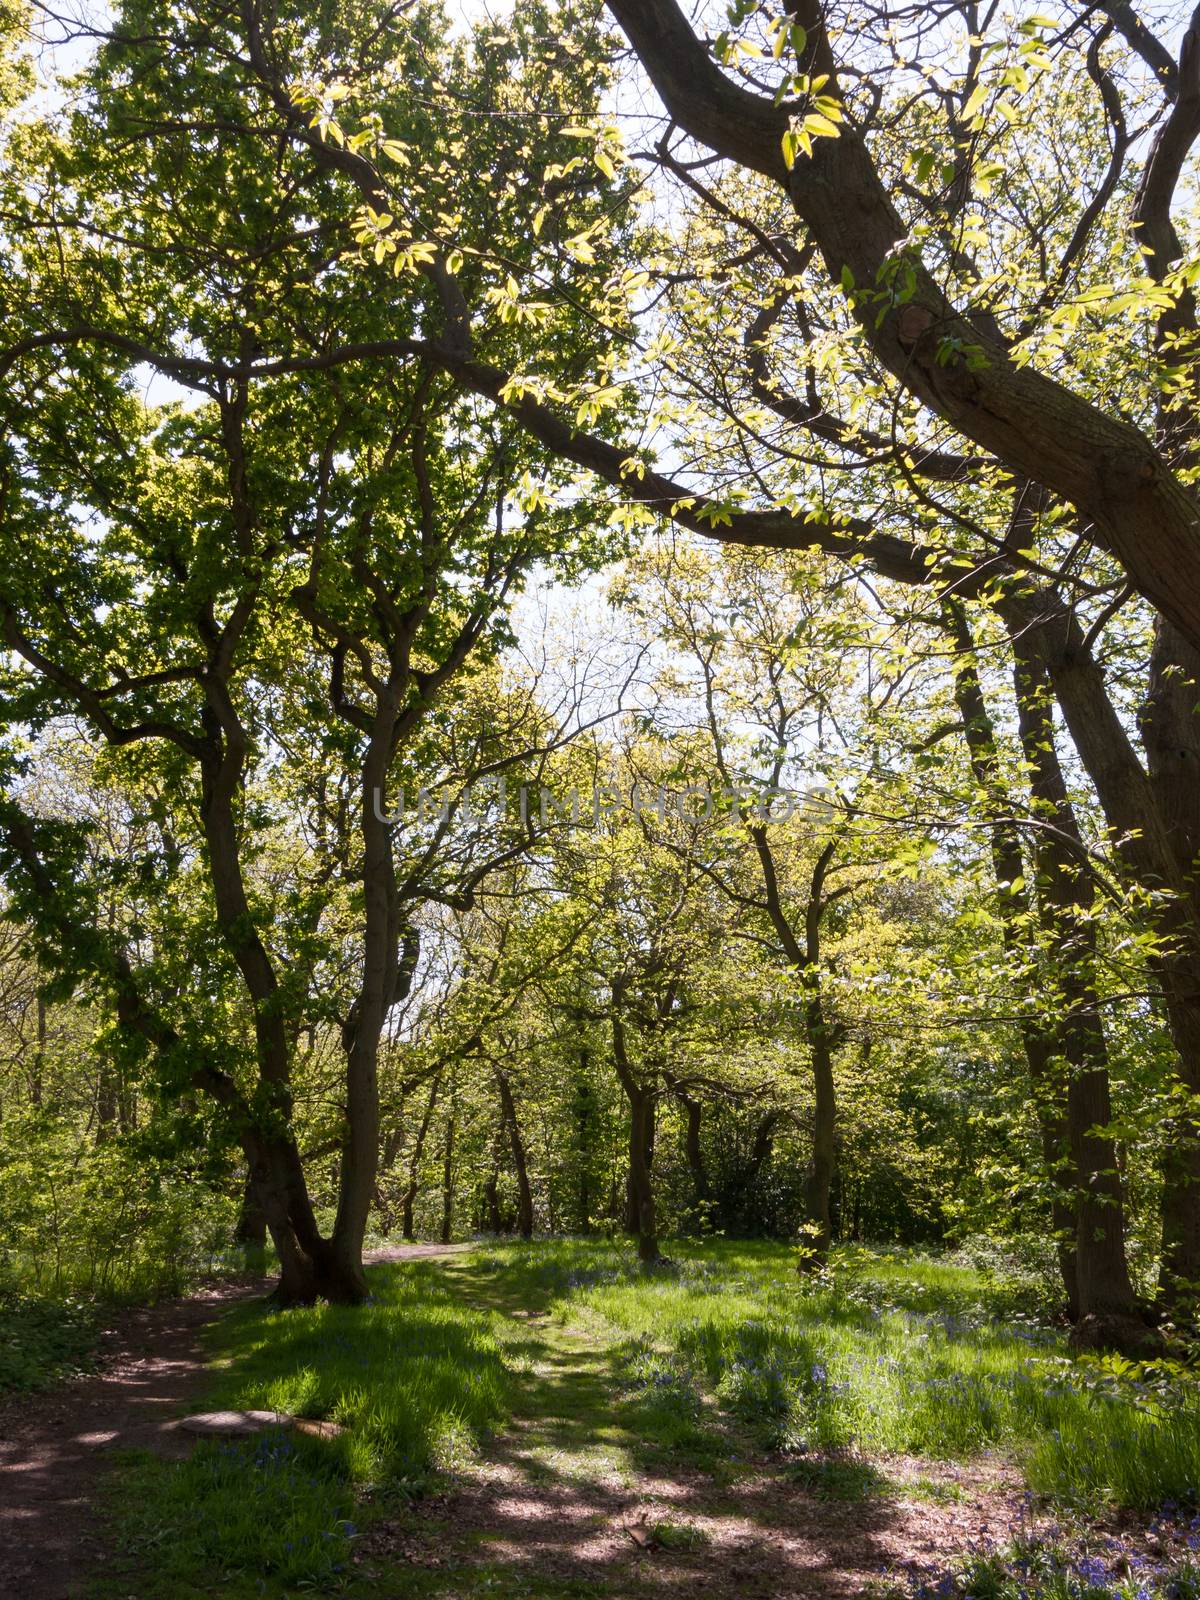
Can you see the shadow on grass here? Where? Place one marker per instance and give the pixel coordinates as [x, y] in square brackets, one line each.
[616, 1479]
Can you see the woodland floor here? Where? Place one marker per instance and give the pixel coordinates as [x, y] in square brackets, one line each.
[570, 1502]
[562, 1503]
[569, 1498]
[55, 1448]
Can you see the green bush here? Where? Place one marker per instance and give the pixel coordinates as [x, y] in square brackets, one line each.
[113, 1220]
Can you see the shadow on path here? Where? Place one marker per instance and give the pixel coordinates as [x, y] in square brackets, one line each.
[572, 1500]
[54, 1447]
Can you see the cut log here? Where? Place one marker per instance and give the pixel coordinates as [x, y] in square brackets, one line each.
[241, 1424]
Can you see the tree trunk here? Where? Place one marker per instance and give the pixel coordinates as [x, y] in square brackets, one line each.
[1170, 726]
[805, 959]
[1016, 922]
[818, 1184]
[251, 1230]
[107, 1102]
[520, 1163]
[377, 992]
[409, 1198]
[448, 1179]
[694, 1151]
[37, 1076]
[310, 1269]
[641, 1143]
[584, 1120]
[1108, 1309]
[1147, 843]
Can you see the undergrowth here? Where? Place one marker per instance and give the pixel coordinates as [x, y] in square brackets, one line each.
[1072, 1562]
[42, 1340]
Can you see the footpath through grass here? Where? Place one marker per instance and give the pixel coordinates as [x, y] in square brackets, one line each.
[567, 1364]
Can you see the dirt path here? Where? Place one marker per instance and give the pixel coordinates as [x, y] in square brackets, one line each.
[55, 1447]
[413, 1252]
[568, 1500]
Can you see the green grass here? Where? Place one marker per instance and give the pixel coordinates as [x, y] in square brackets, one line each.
[884, 1353]
[415, 1377]
[721, 1363]
[839, 1478]
[670, 1535]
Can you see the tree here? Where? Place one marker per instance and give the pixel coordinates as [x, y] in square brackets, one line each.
[300, 556]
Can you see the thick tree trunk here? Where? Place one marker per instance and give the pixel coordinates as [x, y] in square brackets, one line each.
[1149, 844]
[308, 1268]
